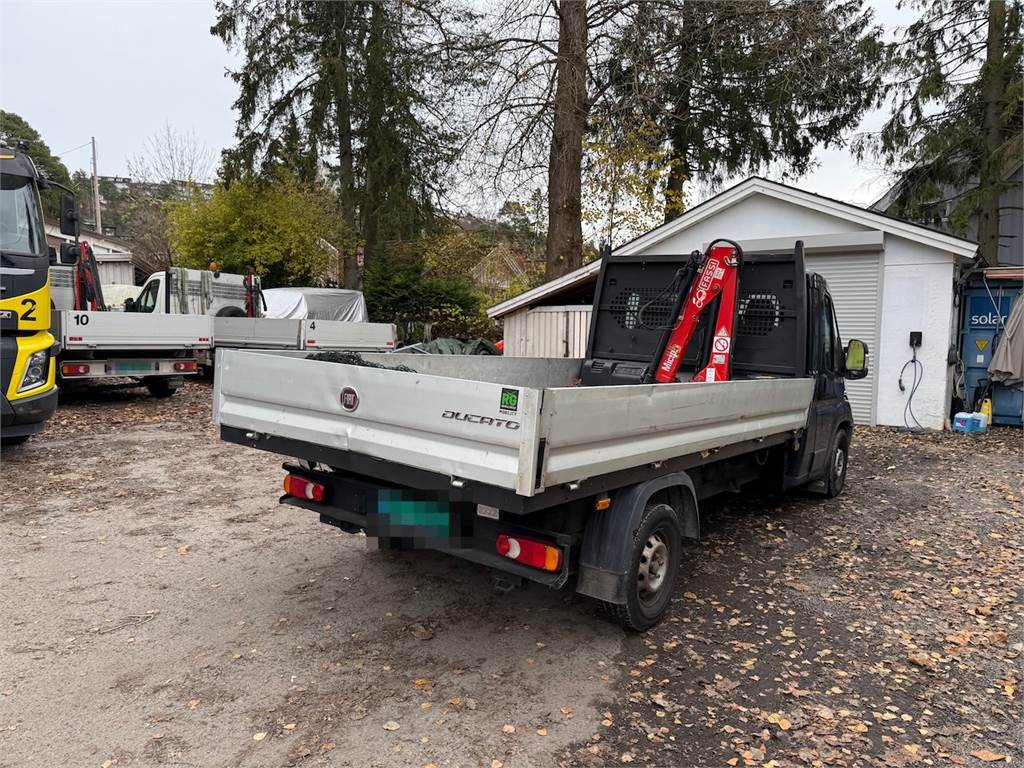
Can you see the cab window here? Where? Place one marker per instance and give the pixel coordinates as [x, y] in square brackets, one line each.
[829, 336]
[147, 299]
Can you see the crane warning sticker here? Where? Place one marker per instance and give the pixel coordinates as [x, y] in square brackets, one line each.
[721, 344]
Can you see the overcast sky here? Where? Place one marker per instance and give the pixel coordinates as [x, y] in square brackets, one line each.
[120, 70]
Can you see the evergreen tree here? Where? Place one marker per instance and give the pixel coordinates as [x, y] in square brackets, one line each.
[954, 134]
[740, 85]
[363, 89]
[14, 128]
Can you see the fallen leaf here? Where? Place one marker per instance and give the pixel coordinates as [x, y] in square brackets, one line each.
[193, 703]
[496, 764]
[688, 596]
[183, 549]
[987, 755]
[921, 659]
[626, 757]
[422, 682]
[508, 728]
[421, 633]
[567, 711]
[732, 760]
[259, 736]
[106, 764]
[542, 731]
[916, 543]
[391, 725]
[290, 726]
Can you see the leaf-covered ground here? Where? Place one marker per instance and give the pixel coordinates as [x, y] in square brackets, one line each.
[882, 628]
[159, 608]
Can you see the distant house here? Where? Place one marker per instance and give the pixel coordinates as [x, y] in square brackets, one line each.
[113, 256]
[1011, 216]
[500, 270]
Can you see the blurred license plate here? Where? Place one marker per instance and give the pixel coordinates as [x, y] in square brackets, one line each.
[128, 366]
[420, 520]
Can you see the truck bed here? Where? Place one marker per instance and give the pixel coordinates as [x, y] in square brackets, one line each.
[519, 424]
[132, 330]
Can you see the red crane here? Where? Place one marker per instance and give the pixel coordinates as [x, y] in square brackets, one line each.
[719, 276]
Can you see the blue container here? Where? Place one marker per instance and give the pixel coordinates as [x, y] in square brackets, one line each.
[978, 328]
[970, 422]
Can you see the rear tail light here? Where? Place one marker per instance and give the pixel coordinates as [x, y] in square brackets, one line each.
[186, 367]
[74, 369]
[535, 554]
[303, 488]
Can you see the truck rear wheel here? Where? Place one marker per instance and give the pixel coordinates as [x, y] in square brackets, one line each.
[654, 568]
[161, 388]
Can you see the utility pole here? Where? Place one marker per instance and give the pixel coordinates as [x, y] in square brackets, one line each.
[96, 191]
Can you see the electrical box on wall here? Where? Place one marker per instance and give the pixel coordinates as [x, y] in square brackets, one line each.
[915, 339]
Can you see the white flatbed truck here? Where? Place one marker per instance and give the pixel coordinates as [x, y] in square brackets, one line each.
[509, 463]
[167, 334]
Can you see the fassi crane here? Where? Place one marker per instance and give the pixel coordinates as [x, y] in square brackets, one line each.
[717, 277]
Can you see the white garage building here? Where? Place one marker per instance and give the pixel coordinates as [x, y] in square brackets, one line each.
[888, 277]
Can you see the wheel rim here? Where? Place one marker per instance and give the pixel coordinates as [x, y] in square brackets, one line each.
[839, 463]
[653, 570]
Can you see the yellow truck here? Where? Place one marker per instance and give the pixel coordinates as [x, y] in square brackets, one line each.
[27, 348]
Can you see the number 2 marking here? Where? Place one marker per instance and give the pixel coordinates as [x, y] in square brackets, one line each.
[30, 305]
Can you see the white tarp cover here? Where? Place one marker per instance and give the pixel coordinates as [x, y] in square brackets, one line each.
[315, 304]
[114, 294]
[1007, 365]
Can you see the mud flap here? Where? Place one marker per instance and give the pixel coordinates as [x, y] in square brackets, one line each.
[608, 540]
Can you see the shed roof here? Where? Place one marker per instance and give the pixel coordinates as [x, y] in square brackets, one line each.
[755, 185]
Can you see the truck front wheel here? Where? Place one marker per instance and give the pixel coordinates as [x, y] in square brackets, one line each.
[654, 567]
[839, 459]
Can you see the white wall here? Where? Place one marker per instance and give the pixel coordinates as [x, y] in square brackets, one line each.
[753, 218]
[917, 295]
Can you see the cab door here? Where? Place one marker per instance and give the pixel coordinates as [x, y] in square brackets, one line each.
[829, 404]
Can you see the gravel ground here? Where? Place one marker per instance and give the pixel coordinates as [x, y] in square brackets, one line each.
[159, 608]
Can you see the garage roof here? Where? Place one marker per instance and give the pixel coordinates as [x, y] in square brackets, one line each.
[755, 185]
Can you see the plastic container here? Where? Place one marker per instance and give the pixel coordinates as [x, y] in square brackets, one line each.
[970, 423]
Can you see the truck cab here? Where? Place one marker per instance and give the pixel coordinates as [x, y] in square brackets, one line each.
[178, 290]
[27, 348]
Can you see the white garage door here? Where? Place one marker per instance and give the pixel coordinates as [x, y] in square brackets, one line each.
[853, 280]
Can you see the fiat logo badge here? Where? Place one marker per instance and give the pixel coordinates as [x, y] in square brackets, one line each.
[349, 399]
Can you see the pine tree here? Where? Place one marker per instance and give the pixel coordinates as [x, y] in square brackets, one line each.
[363, 89]
[954, 133]
[741, 85]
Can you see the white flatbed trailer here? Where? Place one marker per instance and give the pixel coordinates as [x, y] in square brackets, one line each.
[155, 350]
[299, 334]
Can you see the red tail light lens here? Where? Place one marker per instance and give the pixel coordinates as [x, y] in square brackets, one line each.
[187, 367]
[535, 554]
[304, 489]
[74, 369]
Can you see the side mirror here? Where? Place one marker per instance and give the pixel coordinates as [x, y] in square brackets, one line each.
[52, 252]
[68, 215]
[70, 253]
[856, 363]
[129, 304]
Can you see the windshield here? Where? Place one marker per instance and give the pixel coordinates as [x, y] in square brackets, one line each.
[21, 226]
